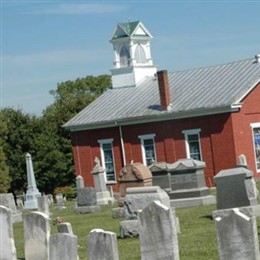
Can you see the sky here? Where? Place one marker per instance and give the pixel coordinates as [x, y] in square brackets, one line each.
[44, 43]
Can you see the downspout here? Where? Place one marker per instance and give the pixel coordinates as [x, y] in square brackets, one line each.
[122, 144]
[77, 148]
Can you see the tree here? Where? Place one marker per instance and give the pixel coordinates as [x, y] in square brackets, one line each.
[19, 139]
[55, 159]
[44, 138]
[4, 174]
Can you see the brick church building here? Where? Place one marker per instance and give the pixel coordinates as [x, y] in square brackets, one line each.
[210, 114]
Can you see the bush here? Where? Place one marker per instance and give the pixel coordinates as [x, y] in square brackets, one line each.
[68, 191]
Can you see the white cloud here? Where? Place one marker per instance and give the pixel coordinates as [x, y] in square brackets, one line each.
[81, 8]
[54, 57]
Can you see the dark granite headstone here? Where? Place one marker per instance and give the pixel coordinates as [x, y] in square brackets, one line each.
[233, 188]
[86, 197]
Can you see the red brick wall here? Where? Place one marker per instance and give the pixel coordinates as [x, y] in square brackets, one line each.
[223, 137]
[250, 113]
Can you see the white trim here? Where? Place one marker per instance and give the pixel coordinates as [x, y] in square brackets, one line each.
[248, 91]
[149, 136]
[191, 132]
[105, 141]
[146, 137]
[255, 125]
[122, 144]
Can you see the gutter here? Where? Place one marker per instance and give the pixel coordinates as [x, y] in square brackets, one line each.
[156, 118]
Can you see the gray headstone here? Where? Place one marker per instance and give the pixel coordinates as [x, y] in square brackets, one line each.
[36, 236]
[102, 245]
[7, 200]
[237, 236]
[43, 205]
[79, 182]
[65, 227]
[50, 199]
[86, 197]
[140, 197]
[129, 228]
[63, 246]
[60, 202]
[231, 188]
[158, 233]
[7, 246]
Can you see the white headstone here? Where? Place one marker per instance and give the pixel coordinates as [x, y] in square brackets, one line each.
[79, 182]
[237, 236]
[63, 246]
[158, 233]
[36, 236]
[32, 191]
[102, 245]
[7, 246]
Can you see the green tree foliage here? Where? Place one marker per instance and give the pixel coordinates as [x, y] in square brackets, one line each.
[70, 97]
[4, 173]
[19, 139]
[44, 138]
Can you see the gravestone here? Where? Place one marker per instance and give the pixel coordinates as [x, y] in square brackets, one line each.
[63, 246]
[32, 191]
[161, 175]
[158, 233]
[134, 175]
[43, 205]
[79, 182]
[7, 246]
[242, 160]
[137, 199]
[188, 187]
[7, 200]
[237, 236]
[86, 201]
[102, 245]
[235, 188]
[36, 236]
[140, 197]
[50, 199]
[103, 195]
[60, 202]
[65, 227]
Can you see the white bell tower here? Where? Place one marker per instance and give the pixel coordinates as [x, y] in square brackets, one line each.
[132, 54]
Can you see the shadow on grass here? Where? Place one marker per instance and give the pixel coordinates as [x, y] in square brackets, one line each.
[207, 217]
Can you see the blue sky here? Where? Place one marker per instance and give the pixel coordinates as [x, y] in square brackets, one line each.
[48, 42]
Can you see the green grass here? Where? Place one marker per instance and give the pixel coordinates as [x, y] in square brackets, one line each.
[197, 240]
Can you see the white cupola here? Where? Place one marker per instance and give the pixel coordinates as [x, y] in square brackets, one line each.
[132, 54]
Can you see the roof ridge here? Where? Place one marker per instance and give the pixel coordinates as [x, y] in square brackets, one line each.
[212, 66]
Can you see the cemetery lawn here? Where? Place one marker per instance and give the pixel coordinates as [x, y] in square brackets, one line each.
[196, 241]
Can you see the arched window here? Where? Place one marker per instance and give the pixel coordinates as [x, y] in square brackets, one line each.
[140, 54]
[124, 57]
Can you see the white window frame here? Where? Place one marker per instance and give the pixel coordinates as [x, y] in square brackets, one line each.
[188, 132]
[103, 162]
[255, 125]
[143, 138]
